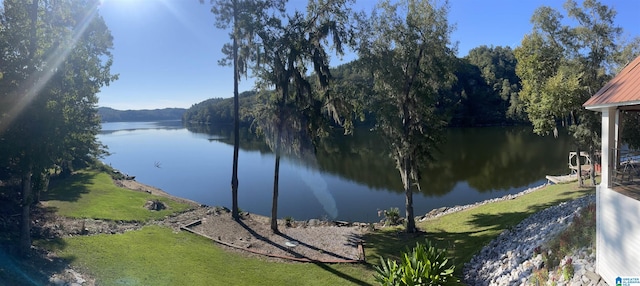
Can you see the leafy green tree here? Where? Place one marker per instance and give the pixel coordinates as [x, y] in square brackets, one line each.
[289, 49]
[561, 66]
[56, 58]
[497, 66]
[408, 51]
[243, 17]
[473, 101]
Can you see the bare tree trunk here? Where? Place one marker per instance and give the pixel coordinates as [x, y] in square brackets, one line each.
[24, 246]
[236, 124]
[411, 223]
[580, 182]
[25, 224]
[41, 185]
[274, 202]
[575, 122]
[406, 182]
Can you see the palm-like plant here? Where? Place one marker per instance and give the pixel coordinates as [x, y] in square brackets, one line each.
[423, 265]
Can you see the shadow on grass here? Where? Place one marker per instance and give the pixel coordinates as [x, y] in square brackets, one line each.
[296, 254]
[341, 275]
[69, 189]
[461, 246]
[391, 244]
[37, 267]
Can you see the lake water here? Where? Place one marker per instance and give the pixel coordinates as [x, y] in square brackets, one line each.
[349, 178]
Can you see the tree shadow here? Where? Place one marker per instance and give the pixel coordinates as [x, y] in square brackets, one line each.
[38, 267]
[338, 256]
[291, 251]
[267, 240]
[461, 246]
[341, 274]
[68, 189]
[391, 245]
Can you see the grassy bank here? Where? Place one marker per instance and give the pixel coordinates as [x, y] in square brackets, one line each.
[89, 194]
[465, 233]
[157, 256]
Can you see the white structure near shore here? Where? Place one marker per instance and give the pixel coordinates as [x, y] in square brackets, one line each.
[618, 195]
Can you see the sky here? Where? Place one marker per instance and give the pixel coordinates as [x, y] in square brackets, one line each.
[166, 52]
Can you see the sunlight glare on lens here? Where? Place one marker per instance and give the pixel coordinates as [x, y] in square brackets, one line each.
[42, 77]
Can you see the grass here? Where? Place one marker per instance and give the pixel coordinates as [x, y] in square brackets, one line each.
[465, 233]
[156, 256]
[90, 194]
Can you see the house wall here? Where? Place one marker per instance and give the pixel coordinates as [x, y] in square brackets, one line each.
[617, 235]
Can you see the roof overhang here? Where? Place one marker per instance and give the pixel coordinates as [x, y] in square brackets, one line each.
[622, 90]
[629, 105]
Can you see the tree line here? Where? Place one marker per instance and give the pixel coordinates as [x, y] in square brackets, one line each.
[220, 110]
[55, 55]
[407, 82]
[485, 93]
[108, 114]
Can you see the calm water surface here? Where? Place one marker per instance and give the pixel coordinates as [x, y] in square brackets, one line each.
[349, 178]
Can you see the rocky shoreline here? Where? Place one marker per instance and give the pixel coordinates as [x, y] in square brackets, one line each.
[435, 213]
[510, 258]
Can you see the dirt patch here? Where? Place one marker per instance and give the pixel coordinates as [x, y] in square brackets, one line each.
[326, 242]
[312, 240]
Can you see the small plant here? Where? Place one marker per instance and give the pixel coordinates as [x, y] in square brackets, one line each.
[537, 250]
[288, 220]
[423, 265]
[391, 216]
[539, 277]
[581, 233]
[568, 270]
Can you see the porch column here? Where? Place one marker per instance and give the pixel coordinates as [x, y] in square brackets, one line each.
[610, 123]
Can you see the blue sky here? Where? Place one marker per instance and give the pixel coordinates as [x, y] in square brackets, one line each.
[166, 51]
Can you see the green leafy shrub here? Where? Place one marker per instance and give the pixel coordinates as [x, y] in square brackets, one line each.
[423, 265]
[391, 216]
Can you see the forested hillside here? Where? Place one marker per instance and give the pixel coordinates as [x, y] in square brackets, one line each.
[220, 110]
[108, 114]
[485, 93]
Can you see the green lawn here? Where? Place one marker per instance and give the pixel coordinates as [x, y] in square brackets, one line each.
[157, 256]
[89, 194]
[465, 233]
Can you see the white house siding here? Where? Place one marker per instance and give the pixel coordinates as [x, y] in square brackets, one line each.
[618, 235]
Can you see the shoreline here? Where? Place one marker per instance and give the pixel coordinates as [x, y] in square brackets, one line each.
[141, 187]
[436, 213]
[432, 214]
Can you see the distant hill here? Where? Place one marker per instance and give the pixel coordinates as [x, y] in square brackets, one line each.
[220, 110]
[108, 114]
